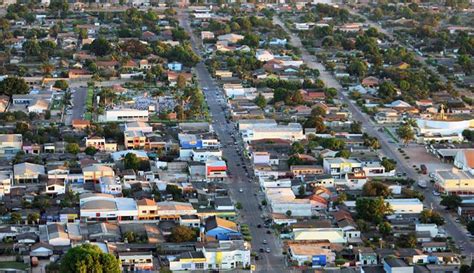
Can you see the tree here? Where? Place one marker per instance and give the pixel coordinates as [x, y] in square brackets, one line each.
[131, 161]
[344, 153]
[407, 240]
[356, 127]
[238, 205]
[90, 150]
[315, 122]
[429, 216]
[61, 84]
[13, 86]
[73, 148]
[59, 7]
[288, 213]
[181, 82]
[15, 217]
[33, 217]
[301, 190]
[451, 201]
[297, 148]
[101, 47]
[385, 228]
[387, 91]
[260, 101]
[389, 164]
[89, 258]
[372, 209]
[180, 234]
[406, 133]
[357, 68]
[375, 188]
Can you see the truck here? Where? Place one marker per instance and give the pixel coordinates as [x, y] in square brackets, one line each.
[423, 168]
[422, 184]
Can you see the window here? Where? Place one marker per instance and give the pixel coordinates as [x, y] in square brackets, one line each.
[200, 266]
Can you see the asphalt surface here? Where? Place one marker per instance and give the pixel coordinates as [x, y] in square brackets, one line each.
[79, 96]
[453, 229]
[241, 186]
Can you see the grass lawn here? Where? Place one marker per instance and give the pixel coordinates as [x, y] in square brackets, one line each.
[14, 265]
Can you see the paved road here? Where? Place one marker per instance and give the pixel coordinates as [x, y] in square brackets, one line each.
[79, 104]
[456, 231]
[250, 214]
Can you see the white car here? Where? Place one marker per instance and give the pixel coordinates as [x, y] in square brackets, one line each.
[241, 190]
[435, 193]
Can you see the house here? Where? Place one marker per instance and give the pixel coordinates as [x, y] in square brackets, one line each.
[264, 55]
[38, 106]
[302, 170]
[370, 81]
[55, 186]
[136, 261]
[220, 229]
[396, 265]
[55, 234]
[95, 172]
[405, 206]
[190, 260]
[147, 209]
[105, 207]
[6, 178]
[175, 66]
[10, 144]
[207, 35]
[311, 253]
[80, 124]
[434, 247]
[41, 249]
[110, 185]
[292, 131]
[138, 126]
[134, 139]
[230, 38]
[282, 200]
[227, 255]
[339, 167]
[27, 172]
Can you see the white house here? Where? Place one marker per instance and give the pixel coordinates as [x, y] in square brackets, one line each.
[264, 55]
[334, 235]
[114, 115]
[110, 185]
[292, 131]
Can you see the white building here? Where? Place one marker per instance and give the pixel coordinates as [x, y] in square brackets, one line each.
[405, 206]
[106, 207]
[282, 200]
[115, 115]
[292, 132]
[110, 185]
[334, 235]
[227, 255]
[264, 55]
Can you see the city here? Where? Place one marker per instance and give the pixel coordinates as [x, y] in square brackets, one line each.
[302, 136]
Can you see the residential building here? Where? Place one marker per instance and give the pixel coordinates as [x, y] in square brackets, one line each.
[110, 185]
[134, 140]
[396, 265]
[220, 229]
[10, 144]
[106, 207]
[94, 172]
[136, 261]
[147, 209]
[282, 200]
[339, 167]
[27, 172]
[227, 255]
[311, 253]
[303, 170]
[6, 178]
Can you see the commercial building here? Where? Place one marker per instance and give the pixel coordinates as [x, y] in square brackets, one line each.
[339, 167]
[292, 132]
[454, 182]
[333, 235]
[134, 140]
[122, 115]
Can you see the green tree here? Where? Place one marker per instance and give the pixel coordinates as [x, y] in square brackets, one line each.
[344, 153]
[131, 161]
[372, 209]
[385, 228]
[357, 68]
[100, 47]
[288, 213]
[387, 91]
[451, 201]
[15, 217]
[407, 240]
[90, 150]
[61, 84]
[89, 258]
[301, 190]
[389, 164]
[297, 148]
[180, 234]
[238, 205]
[260, 101]
[181, 82]
[73, 148]
[13, 85]
[429, 216]
[33, 217]
[59, 7]
[406, 133]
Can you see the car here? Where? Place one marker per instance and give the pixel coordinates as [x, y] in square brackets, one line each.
[264, 242]
[269, 232]
[241, 190]
[257, 258]
[268, 250]
[261, 250]
[238, 164]
[457, 220]
[259, 226]
[435, 193]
